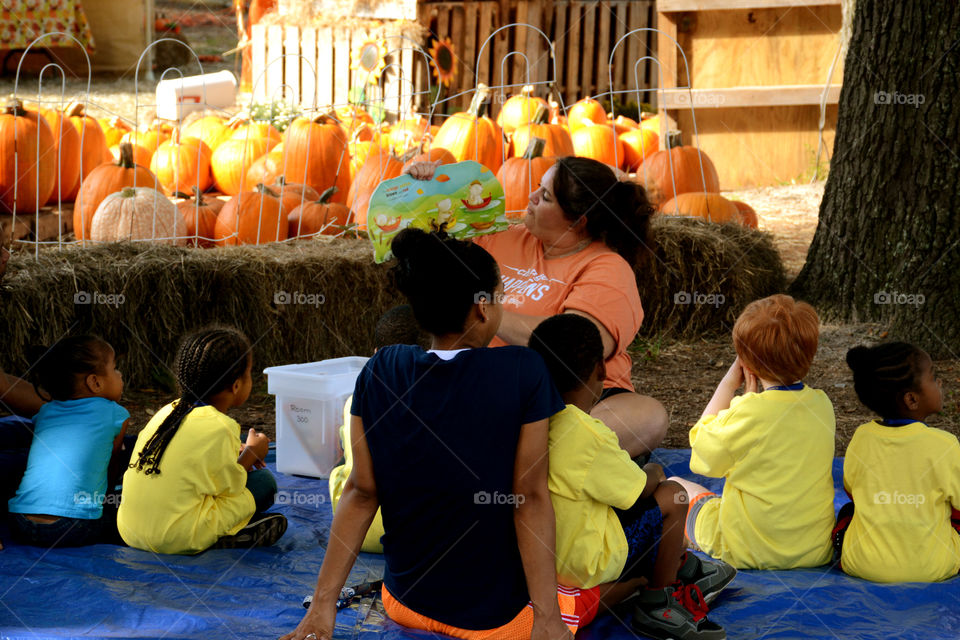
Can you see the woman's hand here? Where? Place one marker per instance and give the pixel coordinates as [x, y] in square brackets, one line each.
[423, 170]
[317, 623]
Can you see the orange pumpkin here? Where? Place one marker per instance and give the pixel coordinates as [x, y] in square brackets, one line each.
[200, 214]
[748, 217]
[379, 166]
[444, 156]
[141, 156]
[32, 173]
[663, 183]
[586, 109]
[66, 149]
[265, 169]
[353, 118]
[263, 130]
[321, 216]
[251, 217]
[95, 150]
[408, 134]
[113, 129]
[471, 135]
[556, 137]
[709, 206]
[521, 176]
[519, 110]
[292, 195]
[149, 139]
[231, 161]
[182, 166]
[317, 155]
[638, 144]
[211, 129]
[108, 178]
[599, 142]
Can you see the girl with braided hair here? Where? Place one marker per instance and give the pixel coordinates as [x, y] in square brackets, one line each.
[187, 489]
[903, 476]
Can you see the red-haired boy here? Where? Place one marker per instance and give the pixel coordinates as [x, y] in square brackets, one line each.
[773, 445]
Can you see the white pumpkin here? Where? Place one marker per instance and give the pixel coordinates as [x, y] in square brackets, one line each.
[138, 213]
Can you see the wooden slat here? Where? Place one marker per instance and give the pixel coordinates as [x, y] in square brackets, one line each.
[259, 61]
[291, 64]
[341, 62]
[408, 82]
[536, 46]
[620, 23]
[589, 53]
[309, 70]
[325, 68]
[559, 41]
[572, 45]
[274, 78]
[499, 50]
[519, 68]
[766, 96]
[472, 21]
[664, 6]
[603, 47]
[486, 21]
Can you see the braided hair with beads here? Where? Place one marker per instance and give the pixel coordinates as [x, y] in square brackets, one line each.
[208, 362]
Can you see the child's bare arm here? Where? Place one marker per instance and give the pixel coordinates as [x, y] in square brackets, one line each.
[726, 390]
[118, 441]
[255, 451]
[655, 476]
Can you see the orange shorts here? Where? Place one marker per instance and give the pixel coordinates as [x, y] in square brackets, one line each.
[577, 608]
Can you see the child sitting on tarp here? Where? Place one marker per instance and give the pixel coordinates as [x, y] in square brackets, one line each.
[62, 496]
[186, 489]
[773, 445]
[617, 522]
[396, 326]
[903, 476]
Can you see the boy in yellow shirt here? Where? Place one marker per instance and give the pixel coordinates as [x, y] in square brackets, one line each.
[773, 445]
[617, 522]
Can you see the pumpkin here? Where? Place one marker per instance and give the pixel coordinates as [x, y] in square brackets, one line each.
[32, 173]
[265, 169]
[251, 217]
[471, 135]
[210, 129]
[652, 123]
[709, 206]
[200, 215]
[556, 137]
[353, 118]
[292, 195]
[444, 156]
[182, 166]
[231, 161]
[638, 144]
[408, 134]
[113, 129]
[263, 130]
[141, 156]
[586, 109]
[521, 176]
[93, 140]
[623, 123]
[748, 217]
[108, 178]
[379, 166]
[138, 213]
[599, 142]
[556, 115]
[519, 110]
[661, 185]
[321, 216]
[149, 139]
[317, 155]
[66, 149]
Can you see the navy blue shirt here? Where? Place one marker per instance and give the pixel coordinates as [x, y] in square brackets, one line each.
[443, 438]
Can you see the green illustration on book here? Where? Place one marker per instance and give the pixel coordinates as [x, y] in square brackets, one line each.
[464, 199]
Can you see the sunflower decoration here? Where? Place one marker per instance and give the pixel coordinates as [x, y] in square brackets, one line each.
[370, 58]
[444, 61]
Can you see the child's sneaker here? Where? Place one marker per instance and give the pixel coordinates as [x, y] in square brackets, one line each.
[677, 612]
[710, 576]
[261, 532]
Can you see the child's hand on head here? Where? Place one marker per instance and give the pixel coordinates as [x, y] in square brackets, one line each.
[733, 378]
[751, 382]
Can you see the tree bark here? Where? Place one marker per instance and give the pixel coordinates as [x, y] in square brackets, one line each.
[887, 246]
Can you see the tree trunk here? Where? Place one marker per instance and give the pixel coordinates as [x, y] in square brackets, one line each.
[887, 246]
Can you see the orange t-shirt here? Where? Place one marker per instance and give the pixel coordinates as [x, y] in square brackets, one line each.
[595, 280]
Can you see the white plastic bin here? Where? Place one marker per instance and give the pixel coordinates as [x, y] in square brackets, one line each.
[310, 399]
[176, 96]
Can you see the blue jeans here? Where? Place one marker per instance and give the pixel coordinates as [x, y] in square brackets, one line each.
[65, 532]
[16, 434]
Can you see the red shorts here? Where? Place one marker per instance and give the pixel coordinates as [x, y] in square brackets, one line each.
[577, 608]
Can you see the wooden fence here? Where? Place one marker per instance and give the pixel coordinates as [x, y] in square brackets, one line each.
[312, 62]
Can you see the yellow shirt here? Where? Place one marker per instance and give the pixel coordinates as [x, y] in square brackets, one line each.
[904, 481]
[200, 493]
[589, 474]
[775, 450]
[338, 479]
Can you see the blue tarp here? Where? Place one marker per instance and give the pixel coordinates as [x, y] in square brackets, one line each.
[113, 592]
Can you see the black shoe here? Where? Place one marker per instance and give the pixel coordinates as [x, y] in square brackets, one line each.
[677, 612]
[261, 531]
[710, 576]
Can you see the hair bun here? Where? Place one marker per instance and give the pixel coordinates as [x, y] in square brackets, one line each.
[858, 358]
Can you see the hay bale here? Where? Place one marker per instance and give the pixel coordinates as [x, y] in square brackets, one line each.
[298, 302]
[703, 275]
[311, 300]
